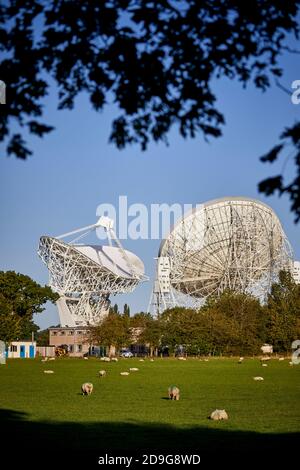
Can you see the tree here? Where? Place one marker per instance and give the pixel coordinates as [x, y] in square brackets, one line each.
[112, 332]
[157, 61]
[283, 310]
[290, 138]
[181, 327]
[152, 335]
[20, 299]
[42, 337]
[126, 310]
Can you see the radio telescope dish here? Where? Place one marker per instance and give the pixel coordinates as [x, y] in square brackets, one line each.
[230, 243]
[85, 276]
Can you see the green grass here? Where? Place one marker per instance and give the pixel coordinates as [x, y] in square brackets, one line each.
[133, 412]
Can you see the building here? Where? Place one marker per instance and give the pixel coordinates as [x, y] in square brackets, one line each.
[76, 339]
[21, 350]
[45, 351]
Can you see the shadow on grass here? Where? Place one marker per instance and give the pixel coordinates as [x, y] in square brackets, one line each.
[70, 442]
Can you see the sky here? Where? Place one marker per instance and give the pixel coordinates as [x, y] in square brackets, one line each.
[74, 169]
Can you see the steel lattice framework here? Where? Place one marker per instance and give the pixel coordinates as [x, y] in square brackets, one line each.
[229, 243]
[84, 279]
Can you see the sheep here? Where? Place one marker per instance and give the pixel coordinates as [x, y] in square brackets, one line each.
[265, 365]
[240, 360]
[124, 373]
[218, 415]
[174, 393]
[258, 378]
[134, 369]
[281, 359]
[87, 388]
[102, 373]
[48, 372]
[114, 359]
[141, 360]
[85, 358]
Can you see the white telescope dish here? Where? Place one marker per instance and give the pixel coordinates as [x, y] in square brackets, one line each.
[231, 243]
[86, 275]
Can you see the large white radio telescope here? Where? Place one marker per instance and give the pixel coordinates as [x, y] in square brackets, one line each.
[86, 275]
[230, 243]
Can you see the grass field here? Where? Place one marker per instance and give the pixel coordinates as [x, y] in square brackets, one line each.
[133, 412]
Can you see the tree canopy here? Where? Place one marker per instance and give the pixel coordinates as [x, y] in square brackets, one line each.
[156, 61]
[20, 299]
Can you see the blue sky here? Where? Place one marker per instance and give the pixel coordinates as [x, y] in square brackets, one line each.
[74, 169]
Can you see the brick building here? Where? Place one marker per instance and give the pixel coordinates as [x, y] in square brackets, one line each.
[75, 338]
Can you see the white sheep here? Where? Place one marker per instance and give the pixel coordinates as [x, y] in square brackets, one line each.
[114, 359]
[141, 360]
[218, 415]
[124, 373]
[281, 359]
[258, 378]
[87, 388]
[48, 372]
[174, 393]
[134, 369]
[265, 365]
[240, 360]
[102, 373]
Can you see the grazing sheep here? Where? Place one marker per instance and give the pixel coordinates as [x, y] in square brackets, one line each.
[174, 393]
[141, 360]
[218, 415]
[114, 359]
[87, 388]
[85, 358]
[133, 369]
[258, 378]
[265, 365]
[48, 371]
[124, 373]
[102, 373]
